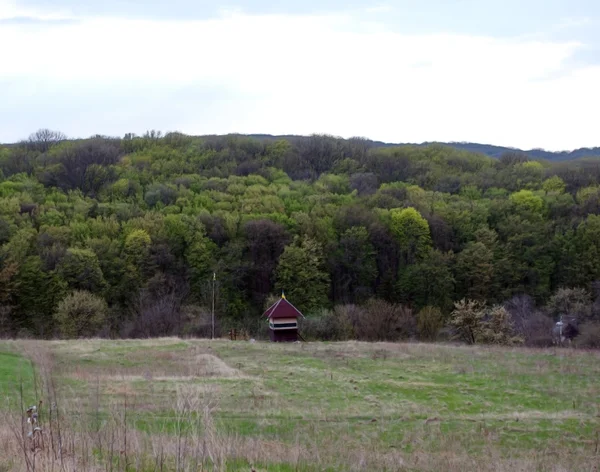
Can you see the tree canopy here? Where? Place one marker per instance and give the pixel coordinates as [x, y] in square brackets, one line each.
[146, 221]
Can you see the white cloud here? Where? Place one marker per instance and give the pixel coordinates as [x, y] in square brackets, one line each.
[381, 8]
[294, 74]
[10, 9]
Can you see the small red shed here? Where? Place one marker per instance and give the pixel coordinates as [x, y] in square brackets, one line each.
[283, 321]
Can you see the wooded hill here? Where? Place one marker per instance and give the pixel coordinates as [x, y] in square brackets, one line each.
[122, 236]
[486, 149]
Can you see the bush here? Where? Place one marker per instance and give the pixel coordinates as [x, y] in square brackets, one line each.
[537, 330]
[573, 303]
[474, 323]
[379, 320]
[197, 322]
[589, 335]
[330, 325]
[497, 328]
[429, 323]
[80, 314]
[155, 316]
[466, 320]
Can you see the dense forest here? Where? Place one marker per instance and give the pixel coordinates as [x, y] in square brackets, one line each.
[486, 149]
[128, 237]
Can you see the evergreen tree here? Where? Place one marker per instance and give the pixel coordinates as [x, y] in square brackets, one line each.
[301, 273]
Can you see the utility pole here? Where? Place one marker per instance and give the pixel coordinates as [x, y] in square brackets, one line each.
[213, 304]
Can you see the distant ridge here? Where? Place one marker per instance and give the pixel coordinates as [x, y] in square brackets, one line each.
[486, 149]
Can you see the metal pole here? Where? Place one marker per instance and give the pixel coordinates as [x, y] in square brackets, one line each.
[213, 305]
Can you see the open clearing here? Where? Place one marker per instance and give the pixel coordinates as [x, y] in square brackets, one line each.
[172, 404]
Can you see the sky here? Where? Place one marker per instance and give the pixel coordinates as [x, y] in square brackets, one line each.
[519, 73]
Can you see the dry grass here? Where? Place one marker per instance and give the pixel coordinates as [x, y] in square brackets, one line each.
[170, 404]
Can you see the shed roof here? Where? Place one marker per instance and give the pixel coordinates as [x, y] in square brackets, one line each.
[282, 309]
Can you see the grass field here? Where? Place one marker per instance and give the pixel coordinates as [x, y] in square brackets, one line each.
[172, 404]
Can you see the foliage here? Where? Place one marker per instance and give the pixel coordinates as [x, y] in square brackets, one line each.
[474, 323]
[429, 323]
[353, 266]
[330, 221]
[497, 328]
[81, 270]
[537, 330]
[570, 303]
[302, 274]
[379, 320]
[412, 233]
[80, 314]
[466, 320]
[330, 325]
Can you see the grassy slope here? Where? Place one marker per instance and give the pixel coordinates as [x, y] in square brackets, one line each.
[337, 404]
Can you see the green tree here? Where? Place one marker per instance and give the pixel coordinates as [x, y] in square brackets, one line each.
[80, 269]
[137, 259]
[475, 271]
[429, 282]
[525, 262]
[526, 202]
[38, 293]
[20, 245]
[412, 232]
[301, 273]
[137, 247]
[199, 257]
[586, 263]
[554, 185]
[353, 266]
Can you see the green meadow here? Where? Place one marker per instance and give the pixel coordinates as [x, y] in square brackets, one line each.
[172, 404]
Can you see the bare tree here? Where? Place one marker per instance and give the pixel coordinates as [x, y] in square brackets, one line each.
[521, 307]
[43, 139]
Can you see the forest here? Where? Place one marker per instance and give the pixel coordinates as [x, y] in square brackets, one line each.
[129, 237]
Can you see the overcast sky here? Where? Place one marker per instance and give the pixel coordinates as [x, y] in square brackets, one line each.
[521, 73]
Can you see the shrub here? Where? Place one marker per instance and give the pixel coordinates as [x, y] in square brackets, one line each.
[537, 330]
[342, 321]
[465, 320]
[573, 303]
[474, 323]
[80, 314]
[330, 325]
[497, 328]
[379, 320]
[429, 323]
[197, 322]
[589, 335]
[155, 316]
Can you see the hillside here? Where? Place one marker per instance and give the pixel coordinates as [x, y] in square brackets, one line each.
[129, 232]
[485, 149]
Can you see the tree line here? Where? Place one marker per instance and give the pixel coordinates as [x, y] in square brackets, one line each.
[122, 236]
